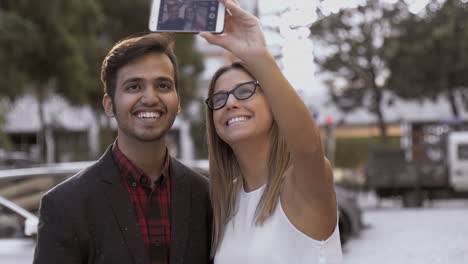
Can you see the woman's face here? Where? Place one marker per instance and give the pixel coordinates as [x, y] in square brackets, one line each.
[189, 13]
[241, 120]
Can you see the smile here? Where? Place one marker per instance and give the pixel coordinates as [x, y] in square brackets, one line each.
[146, 115]
[237, 120]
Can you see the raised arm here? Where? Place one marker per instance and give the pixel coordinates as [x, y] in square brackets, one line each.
[309, 184]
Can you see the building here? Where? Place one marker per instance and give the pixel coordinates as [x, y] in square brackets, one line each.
[73, 133]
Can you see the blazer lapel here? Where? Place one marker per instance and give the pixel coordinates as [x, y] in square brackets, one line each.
[180, 212]
[122, 208]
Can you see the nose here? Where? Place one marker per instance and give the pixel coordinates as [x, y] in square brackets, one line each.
[232, 102]
[150, 96]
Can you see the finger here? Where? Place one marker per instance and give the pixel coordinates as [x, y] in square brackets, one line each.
[214, 39]
[211, 38]
[236, 2]
[233, 1]
[234, 8]
[226, 1]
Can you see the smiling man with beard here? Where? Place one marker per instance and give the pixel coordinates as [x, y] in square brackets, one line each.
[136, 204]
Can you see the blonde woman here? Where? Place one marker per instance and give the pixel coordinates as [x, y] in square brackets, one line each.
[271, 186]
[191, 20]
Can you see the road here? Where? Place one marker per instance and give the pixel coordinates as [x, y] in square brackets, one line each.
[437, 233]
[16, 251]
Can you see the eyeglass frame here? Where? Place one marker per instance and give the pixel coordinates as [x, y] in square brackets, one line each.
[255, 83]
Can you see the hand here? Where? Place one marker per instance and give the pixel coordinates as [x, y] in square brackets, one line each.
[242, 34]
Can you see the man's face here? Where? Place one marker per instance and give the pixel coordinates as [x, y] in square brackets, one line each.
[173, 12]
[146, 102]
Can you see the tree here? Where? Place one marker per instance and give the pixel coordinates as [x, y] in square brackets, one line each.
[12, 29]
[130, 17]
[47, 54]
[429, 54]
[57, 47]
[351, 55]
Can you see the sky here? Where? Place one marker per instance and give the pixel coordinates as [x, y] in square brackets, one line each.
[296, 49]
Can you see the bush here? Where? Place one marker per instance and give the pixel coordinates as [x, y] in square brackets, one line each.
[353, 152]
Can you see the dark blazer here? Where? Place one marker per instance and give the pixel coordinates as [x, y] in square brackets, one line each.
[90, 219]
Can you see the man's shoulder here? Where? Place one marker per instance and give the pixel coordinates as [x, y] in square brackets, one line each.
[81, 183]
[74, 183]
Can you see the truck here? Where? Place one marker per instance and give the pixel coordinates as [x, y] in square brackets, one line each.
[432, 163]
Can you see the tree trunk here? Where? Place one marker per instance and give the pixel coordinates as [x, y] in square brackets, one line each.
[45, 135]
[453, 103]
[379, 113]
[41, 132]
[94, 135]
[382, 126]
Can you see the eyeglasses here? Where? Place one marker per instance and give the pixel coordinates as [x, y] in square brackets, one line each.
[242, 91]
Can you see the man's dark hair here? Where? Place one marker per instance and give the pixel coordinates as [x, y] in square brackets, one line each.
[132, 48]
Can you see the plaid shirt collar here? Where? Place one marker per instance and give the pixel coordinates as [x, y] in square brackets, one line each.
[135, 175]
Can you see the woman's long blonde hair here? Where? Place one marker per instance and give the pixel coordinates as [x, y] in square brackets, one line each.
[225, 174]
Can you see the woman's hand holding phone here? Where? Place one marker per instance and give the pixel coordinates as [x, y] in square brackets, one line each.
[242, 34]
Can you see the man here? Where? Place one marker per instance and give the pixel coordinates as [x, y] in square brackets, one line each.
[136, 204]
[173, 21]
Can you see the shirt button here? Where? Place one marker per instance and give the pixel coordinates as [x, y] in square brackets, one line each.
[134, 184]
[156, 243]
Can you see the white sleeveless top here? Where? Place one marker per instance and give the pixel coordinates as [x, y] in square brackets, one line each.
[276, 241]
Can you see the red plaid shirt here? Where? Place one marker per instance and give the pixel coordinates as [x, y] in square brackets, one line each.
[152, 205]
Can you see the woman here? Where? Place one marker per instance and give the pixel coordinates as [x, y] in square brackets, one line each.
[191, 21]
[272, 188]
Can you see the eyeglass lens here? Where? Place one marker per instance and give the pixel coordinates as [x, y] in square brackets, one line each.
[241, 92]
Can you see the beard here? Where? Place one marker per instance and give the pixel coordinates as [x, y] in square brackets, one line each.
[134, 131]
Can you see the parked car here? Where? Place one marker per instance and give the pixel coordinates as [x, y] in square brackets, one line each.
[15, 159]
[350, 214]
[18, 229]
[15, 221]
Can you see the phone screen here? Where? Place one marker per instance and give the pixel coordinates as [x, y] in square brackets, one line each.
[188, 15]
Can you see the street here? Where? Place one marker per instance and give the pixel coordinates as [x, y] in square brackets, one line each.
[16, 251]
[437, 233]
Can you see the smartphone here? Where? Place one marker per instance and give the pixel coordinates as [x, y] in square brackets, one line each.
[189, 16]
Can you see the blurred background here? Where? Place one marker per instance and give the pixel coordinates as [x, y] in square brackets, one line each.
[386, 80]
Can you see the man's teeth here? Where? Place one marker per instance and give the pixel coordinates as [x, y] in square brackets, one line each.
[149, 115]
[236, 119]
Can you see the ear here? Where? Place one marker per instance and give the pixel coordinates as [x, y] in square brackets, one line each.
[178, 102]
[107, 104]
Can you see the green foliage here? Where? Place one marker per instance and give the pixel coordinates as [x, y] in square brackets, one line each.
[190, 64]
[58, 46]
[353, 152]
[429, 54]
[351, 55]
[107, 137]
[5, 142]
[13, 45]
[198, 132]
[47, 38]
[61, 44]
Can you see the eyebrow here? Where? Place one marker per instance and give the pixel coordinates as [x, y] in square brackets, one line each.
[139, 79]
[236, 86]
